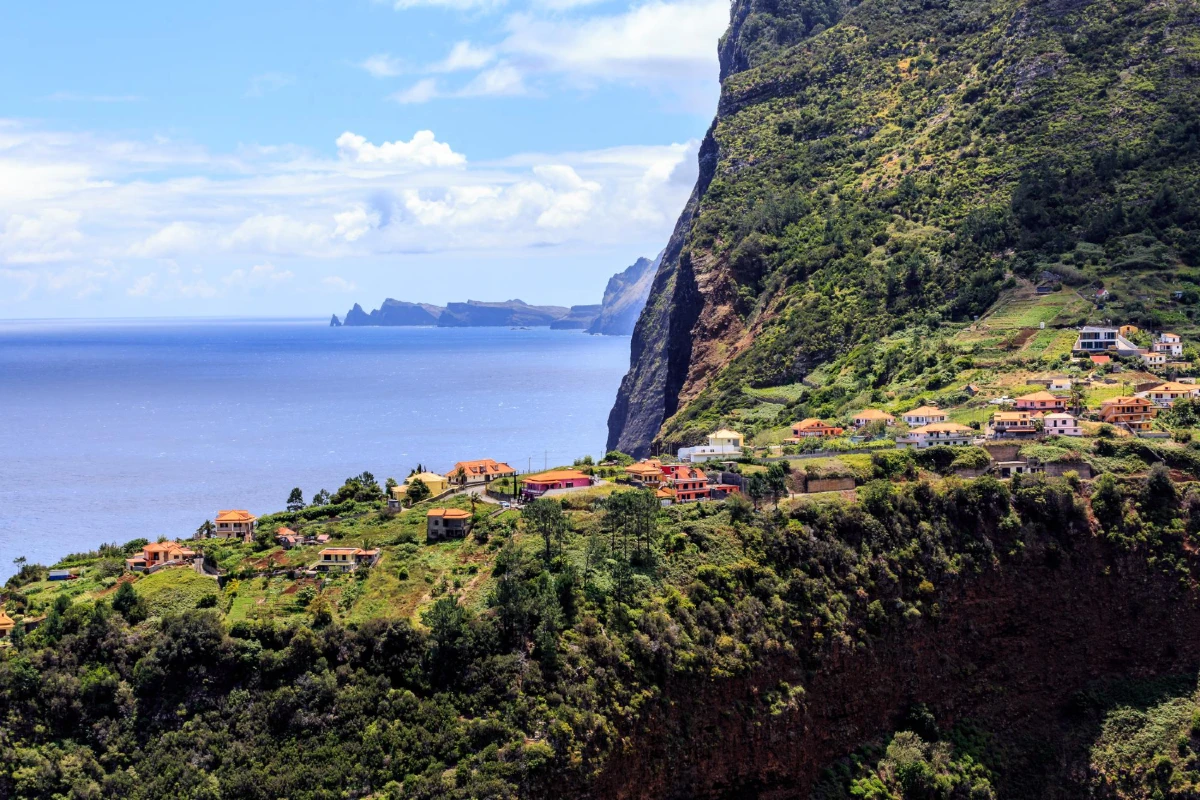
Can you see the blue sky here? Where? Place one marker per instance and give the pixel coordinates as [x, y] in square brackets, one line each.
[291, 158]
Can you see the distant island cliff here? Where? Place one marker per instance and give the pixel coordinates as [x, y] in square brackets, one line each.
[624, 298]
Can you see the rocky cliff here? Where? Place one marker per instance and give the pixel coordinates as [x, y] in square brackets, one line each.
[882, 165]
[579, 318]
[395, 312]
[625, 297]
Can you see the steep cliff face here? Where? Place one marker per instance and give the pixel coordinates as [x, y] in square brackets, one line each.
[1013, 653]
[882, 165]
[625, 297]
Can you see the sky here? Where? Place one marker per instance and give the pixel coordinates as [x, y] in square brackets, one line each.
[276, 158]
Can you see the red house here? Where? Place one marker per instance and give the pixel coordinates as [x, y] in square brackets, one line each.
[538, 485]
[688, 483]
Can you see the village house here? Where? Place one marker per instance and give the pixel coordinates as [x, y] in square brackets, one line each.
[1165, 394]
[924, 415]
[235, 524]
[721, 444]
[1100, 361]
[665, 497]
[1097, 339]
[648, 473]
[6, 624]
[813, 428]
[1154, 358]
[345, 559]
[1060, 424]
[1041, 401]
[687, 484]
[1012, 424]
[1054, 383]
[158, 554]
[538, 485]
[1169, 344]
[61, 575]
[949, 433]
[287, 538]
[447, 523]
[869, 415]
[437, 484]
[1127, 330]
[485, 470]
[1133, 413]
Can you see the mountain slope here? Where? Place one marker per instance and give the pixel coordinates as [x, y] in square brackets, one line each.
[625, 297]
[883, 165]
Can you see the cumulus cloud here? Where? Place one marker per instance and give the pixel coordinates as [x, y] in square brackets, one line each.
[352, 225]
[171, 240]
[35, 238]
[422, 150]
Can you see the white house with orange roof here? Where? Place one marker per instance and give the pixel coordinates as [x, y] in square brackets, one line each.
[483, 470]
[160, 554]
[235, 524]
[869, 415]
[1170, 344]
[924, 415]
[721, 444]
[949, 433]
[345, 559]
[813, 428]
[1165, 394]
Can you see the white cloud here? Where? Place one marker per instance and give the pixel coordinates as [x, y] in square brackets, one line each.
[422, 91]
[422, 150]
[337, 283]
[260, 276]
[143, 285]
[45, 236]
[268, 82]
[278, 233]
[382, 65]
[464, 55]
[500, 80]
[171, 240]
[352, 225]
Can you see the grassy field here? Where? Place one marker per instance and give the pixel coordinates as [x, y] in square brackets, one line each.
[170, 591]
[1027, 310]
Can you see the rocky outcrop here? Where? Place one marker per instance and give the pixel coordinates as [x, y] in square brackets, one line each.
[334, 322]
[577, 319]
[474, 313]
[1009, 652]
[395, 312]
[625, 297]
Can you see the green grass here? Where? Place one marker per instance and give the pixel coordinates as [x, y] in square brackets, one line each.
[170, 591]
[1062, 307]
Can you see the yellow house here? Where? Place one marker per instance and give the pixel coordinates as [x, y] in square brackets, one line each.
[436, 483]
[726, 438]
[6, 624]
[1127, 330]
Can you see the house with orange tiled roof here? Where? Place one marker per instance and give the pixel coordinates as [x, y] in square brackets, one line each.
[1169, 343]
[7, 624]
[160, 554]
[484, 470]
[1165, 394]
[538, 485]
[235, 524]
[1041, 401]
[345, 559]
[948, 433]
[648, 472]
[1132, 413]
[447, 523]
[924, 415]
[688, 484]
[812, 428]
[869, 415]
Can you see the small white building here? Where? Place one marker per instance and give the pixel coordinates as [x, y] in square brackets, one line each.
[721, 444]
[1060, 424]
[1154, 358]
[1169, 344]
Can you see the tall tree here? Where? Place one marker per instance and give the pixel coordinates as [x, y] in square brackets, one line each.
[295, 500]
[545, 517]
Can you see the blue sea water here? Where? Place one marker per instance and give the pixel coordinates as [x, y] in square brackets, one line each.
[111, 430]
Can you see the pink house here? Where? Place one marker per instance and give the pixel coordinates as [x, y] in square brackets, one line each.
[537, 485]
[1041, 401]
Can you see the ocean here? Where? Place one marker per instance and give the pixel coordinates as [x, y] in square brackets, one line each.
[113, 430]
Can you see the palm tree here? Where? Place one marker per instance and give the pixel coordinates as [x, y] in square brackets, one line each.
[207, 530]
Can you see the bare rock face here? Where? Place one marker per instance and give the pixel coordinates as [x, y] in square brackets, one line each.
[625, 297]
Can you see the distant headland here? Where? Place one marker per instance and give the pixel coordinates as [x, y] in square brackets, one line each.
[624, 298]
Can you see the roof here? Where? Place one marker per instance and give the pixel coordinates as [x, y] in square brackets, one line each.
[943, 427]
[645, 467]
[425, 477]
[6, 621]
[556, 475]
[163, 547]
[665, 492]
[1173, 386]
[348, 550]
[1096, 329]
[1005, 416]
[1042, 396]
[725, 433]
[811, 422]
[483, 466]
[873, 413]
[690, 474]
[1060, 415]
[1122, 401]
[924, 411]
[448, 513]
[1165, 334]
[1101, 359]
[235, 515]
[285, 532]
